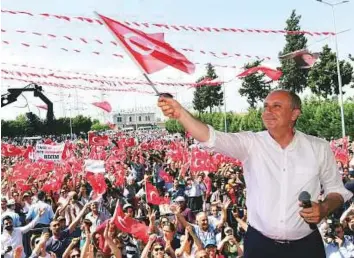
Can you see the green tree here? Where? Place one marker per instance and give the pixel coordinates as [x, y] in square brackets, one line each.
[81, 124]
[293, 78]
[254, 87]
[199, 100]
[323, 76]
[34, 125]
[99, 127]
[252, 121]
[208, 96]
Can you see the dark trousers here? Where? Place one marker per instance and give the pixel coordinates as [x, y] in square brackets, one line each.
[257, 245]
[195, 204]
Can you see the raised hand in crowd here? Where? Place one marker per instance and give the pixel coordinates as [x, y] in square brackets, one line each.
[74, 243]
[108, 236]
[18, 252]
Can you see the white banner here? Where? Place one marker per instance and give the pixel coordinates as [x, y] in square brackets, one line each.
[94, 166]
[49, 152]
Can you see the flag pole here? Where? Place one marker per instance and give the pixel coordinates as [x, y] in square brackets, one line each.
[136, 62]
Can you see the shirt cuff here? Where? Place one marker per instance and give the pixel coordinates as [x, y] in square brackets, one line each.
[346, 194]
[210, 143]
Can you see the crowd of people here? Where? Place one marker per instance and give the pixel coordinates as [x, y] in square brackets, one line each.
[194, 210]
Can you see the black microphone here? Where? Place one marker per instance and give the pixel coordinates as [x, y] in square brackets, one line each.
[305, 198]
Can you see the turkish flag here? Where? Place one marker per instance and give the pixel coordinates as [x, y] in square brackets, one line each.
[52, 184]
[9, 150]
[48, 141]
[271, 73]
[104, 105]
[152, 195]
[166, 177]
[130, 142]
[97, 140]
[27, 152]
[150, 51]
[129, 225]
[303, 58]
[98, 182]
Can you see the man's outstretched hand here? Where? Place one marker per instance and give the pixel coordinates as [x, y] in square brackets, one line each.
[170, 107]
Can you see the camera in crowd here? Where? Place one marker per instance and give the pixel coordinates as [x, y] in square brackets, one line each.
[239, 210]
[330, 234]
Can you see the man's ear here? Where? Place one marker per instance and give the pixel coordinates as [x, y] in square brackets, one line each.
[296, 114]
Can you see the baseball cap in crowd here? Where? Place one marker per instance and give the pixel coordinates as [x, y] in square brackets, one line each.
[3, 199]
[180, 199]
[26, 194]
[210, 243]
[11, 202]
[126, 206]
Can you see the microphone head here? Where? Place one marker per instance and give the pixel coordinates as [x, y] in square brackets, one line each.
[304, 196]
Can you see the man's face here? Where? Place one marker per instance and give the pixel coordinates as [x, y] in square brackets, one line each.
[129, 212]
[278, 113]
[16, 197]
[168, 233]
[3, 205]
[214, 210]
[175, 183]
[93, 207]
[63, 193]
[158, 251]
[211, 250]
[203, 221]
[8, 225]
[83, 189]
[339, 232]
[55, 227]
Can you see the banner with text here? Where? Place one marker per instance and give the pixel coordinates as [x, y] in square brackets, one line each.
[49, 152]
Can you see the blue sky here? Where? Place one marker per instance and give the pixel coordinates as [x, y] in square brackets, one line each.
[237, 14]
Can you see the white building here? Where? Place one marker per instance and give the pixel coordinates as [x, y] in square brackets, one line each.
[135, 120]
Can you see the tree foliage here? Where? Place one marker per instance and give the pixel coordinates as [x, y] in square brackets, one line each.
[293, 78]
[254, 87]
[31, 125]
[206, 96]
[99, 127]
[323, 76]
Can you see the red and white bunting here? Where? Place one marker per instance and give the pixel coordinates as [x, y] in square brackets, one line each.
[175, 28]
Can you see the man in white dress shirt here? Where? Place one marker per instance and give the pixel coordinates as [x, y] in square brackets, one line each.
[278, 165]
[11, 238]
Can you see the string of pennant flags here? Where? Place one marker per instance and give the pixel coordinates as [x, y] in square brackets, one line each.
[176, 28]
[97, 53]
[222, 54]
[90, 80]
[71, 86]
[115, 83]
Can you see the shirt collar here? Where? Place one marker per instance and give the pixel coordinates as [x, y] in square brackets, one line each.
[291, 145]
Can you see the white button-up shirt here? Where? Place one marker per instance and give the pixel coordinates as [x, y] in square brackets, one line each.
[275, 177]
[15, 239]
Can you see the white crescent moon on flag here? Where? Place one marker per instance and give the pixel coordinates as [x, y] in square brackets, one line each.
[152, 195]
[27, 166]
[136, 48]
[8, 149]
[94, 139]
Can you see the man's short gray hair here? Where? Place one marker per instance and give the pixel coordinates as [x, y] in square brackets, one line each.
[295, 100]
